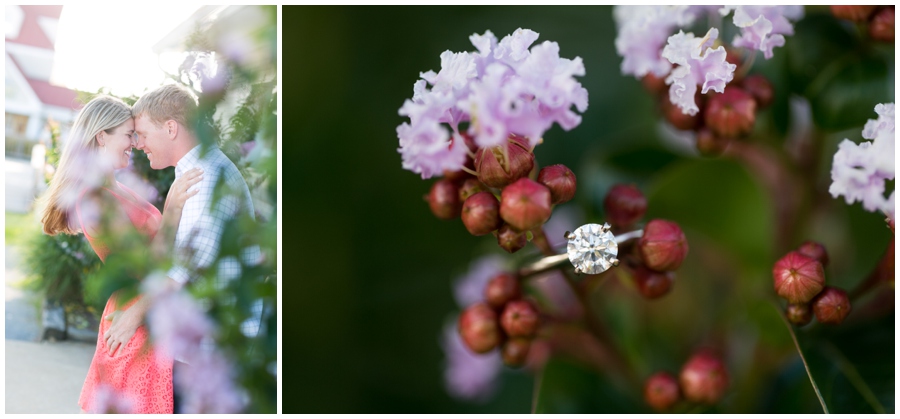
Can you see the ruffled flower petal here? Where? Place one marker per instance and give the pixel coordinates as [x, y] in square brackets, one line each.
[642, 34]
[859, 171]
[506, 87]
[697, 64]
[763, 27]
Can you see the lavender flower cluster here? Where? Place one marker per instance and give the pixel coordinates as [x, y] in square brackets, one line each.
[859, 171]
[502, 89]
[648, 46]
[181, 328]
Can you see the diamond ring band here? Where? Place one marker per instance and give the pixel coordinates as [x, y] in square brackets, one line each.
[591, 249]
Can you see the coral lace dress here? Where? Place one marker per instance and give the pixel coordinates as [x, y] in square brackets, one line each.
[139, 376]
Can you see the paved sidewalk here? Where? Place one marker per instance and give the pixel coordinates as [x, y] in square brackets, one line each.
[41, 377]
[45, 377]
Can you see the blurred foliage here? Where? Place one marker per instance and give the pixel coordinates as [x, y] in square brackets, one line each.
[375, 268]
[58, 265]
[239, 116]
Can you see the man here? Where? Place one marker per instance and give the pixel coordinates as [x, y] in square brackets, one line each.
[163, 133]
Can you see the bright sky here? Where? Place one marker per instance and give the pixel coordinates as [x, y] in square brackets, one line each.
[110, 45]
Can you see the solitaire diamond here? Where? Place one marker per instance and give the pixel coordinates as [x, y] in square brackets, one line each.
[592, 248]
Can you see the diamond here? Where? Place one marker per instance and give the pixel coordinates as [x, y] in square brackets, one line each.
[592, 248]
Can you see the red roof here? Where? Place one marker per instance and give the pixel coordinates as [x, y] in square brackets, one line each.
[31, 32]
[49, 94]
[55, 95]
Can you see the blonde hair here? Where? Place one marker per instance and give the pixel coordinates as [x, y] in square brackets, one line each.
[169, 102]
[102, 113]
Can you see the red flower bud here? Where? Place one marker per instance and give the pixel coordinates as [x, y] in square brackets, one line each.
[480, 214]
[663, 245]
[709, 145]
[815, 251]
[854, 13]
[478, 328]
[470, 187]
[560, 181]
[759, 87]
[444, 200]
[678, 118]
[498, 169]
[510, 239]
[798, 278]
[653, 284]
[502, 289]
[519, 319]
[799, 314]
[704, 378]
[661, 391]
[525, 204]
[515, 352]
[831, 305]
[731, 114]
[881, 27]
[655, 85]
[624, 205]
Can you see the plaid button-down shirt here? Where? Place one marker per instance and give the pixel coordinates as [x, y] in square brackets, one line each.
[199, 233]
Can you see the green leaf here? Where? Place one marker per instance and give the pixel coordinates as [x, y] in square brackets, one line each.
[566, 387]
[842, 77]
[819, 39]
[846, 92]
[719, 199]
[854, 365]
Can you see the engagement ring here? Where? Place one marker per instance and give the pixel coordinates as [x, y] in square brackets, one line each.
[591, 249]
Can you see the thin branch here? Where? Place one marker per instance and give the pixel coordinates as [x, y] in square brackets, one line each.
[802, 358]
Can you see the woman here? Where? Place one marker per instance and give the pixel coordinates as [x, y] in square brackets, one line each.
[84, 197]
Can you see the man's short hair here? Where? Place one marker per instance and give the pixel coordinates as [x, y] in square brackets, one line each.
[171, 101]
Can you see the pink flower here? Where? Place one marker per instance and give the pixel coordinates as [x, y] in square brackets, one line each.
[763, 27]
[642, 34]
[505, 88]
[208, 384]
[108, 400]
[859, 171]
[467, 375]
[698, 64]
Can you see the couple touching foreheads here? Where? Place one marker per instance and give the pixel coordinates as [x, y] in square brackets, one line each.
[84, 197]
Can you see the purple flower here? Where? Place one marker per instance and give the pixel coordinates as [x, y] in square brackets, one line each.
[643, 31]
[108, 400]
[425, 145]
[697, 64]
[504, 88]
[469, 288]
[763, 27]
[247, 147]
[208, 381]
[426, 149]
[859, 171]
[467, 375]
[178, 324]
[183, 331]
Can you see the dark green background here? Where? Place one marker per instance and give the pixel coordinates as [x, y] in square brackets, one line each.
[368, 270]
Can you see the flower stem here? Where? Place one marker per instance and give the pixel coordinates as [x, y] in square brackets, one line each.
[802, 358]
[540, 240]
